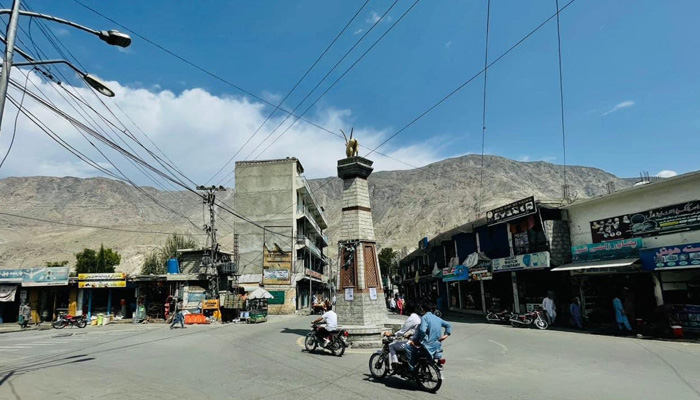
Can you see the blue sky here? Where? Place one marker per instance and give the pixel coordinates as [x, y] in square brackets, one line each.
[631, 81]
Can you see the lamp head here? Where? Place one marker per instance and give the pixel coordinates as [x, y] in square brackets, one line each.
[97, 84]
[115, 38]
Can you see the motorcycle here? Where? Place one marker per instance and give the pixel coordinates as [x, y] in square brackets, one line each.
[65, 320]
[337, 344]
[427, 372]
[536, 316]
[500, 317]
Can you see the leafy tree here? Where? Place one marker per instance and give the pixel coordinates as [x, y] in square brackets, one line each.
[155, 262]
[91, 261]
[52, 264]
[387, 261]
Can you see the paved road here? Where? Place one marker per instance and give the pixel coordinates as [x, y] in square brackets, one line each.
[265, 361]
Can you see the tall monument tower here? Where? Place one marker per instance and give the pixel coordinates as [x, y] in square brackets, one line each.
[360, 305]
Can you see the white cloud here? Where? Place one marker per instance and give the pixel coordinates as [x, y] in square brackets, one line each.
[448, 44]
[524, 158]
[527, 158]
[667, 174]
[373, 18]
[357, 32]
[61, 31]
[199, 131]
[619, 106]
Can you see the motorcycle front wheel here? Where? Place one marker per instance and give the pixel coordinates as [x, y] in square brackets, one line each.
[310, 342]
[378, 366]
[58, 325]
[429, 378]
[82, 323]
[438, 313]
[541, 323]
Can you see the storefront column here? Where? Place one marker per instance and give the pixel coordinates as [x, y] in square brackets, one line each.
[79, 308]
[658, 290]
[109, 301]
[89, 304]
[447, 288]
[516, 298]
[483, 297]
[459, 290]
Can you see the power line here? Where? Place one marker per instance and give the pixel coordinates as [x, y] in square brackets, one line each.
[196, 66]
[90, 226]
[347, 70]
[483, 115]
[468, 81]
[561, 102]
[292, 90]
[14, 129]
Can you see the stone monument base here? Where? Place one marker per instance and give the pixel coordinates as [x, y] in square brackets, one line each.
[365, 337]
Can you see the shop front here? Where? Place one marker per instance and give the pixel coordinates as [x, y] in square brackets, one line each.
[105, 293]
[530, 278]
[468, 285]
[45, 289]
[678, 270]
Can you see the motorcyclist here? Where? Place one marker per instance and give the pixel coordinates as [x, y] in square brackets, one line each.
[330, 318]
[407, 330]
[427, 336]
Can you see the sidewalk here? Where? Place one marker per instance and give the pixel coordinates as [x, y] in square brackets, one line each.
[11, 327]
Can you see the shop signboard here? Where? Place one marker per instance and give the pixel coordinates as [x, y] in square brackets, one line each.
[101, 284]
[610, 250]
[313, 274]
[104, 276]
[680, 256]
[511, 211]
[278, 297]
[277, 267]
[658, 221]
[481, 272]
[37, 276]
[456, 273]
[523, 261]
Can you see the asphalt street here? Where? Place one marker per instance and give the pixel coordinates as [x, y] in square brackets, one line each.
[266, 361]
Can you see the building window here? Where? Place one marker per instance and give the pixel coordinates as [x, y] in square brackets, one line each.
[528, 236]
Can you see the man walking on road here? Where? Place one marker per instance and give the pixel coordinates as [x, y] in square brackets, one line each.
[178, 315]
[620, 316]
[26, 313]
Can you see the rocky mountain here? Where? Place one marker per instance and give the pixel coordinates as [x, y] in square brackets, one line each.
[406, 206]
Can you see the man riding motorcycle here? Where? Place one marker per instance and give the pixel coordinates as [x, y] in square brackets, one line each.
[428, 335]
[407, 330]
[330, 318]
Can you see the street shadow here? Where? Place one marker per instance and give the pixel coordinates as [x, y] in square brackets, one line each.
[57, 363]
[393, 382]
[6, 377]
[300, 332]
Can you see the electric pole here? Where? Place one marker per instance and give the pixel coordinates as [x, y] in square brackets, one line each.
[211, 262]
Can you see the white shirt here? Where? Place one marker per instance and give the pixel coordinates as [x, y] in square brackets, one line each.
[411, 324]
[331, 319]
[548, 305]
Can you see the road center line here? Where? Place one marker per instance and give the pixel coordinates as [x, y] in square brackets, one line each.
[504, 348]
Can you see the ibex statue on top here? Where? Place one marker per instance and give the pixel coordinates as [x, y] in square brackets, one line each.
[352, 146]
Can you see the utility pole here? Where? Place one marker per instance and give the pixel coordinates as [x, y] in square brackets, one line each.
[10, 36]
[212, 261]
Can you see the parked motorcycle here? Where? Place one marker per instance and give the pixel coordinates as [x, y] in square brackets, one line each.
[427, 373]
[536, 316]
[65, 320]
[500, 317]
[338, 340]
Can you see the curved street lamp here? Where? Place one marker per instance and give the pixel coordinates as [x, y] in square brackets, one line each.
[111, 37]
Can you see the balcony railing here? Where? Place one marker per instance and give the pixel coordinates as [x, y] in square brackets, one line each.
[304, 241]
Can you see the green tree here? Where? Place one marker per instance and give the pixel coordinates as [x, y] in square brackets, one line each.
[155, 262]
[91, 261]
[52, 264]
[387, 261]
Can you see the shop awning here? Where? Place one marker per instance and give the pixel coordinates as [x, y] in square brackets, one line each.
[624, 263]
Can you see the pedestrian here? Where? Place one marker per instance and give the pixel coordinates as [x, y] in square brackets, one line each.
[575, 311]
[400, 305]
[549, 306]
[392, 304]
[179, 317]
[333, 300]
[620, 315]
[313, 299]
[25, 313]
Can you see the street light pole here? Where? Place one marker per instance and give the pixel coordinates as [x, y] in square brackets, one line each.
[9, 50]
[112, 37]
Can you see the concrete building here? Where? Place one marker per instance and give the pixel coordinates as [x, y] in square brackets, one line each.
[287, 256]
[645, 238]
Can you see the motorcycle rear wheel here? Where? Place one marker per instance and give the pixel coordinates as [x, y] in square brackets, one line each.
[438, 313]
[378, 366]
[429, 378]
[310, 342]
[58, 325]
[337, 347]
